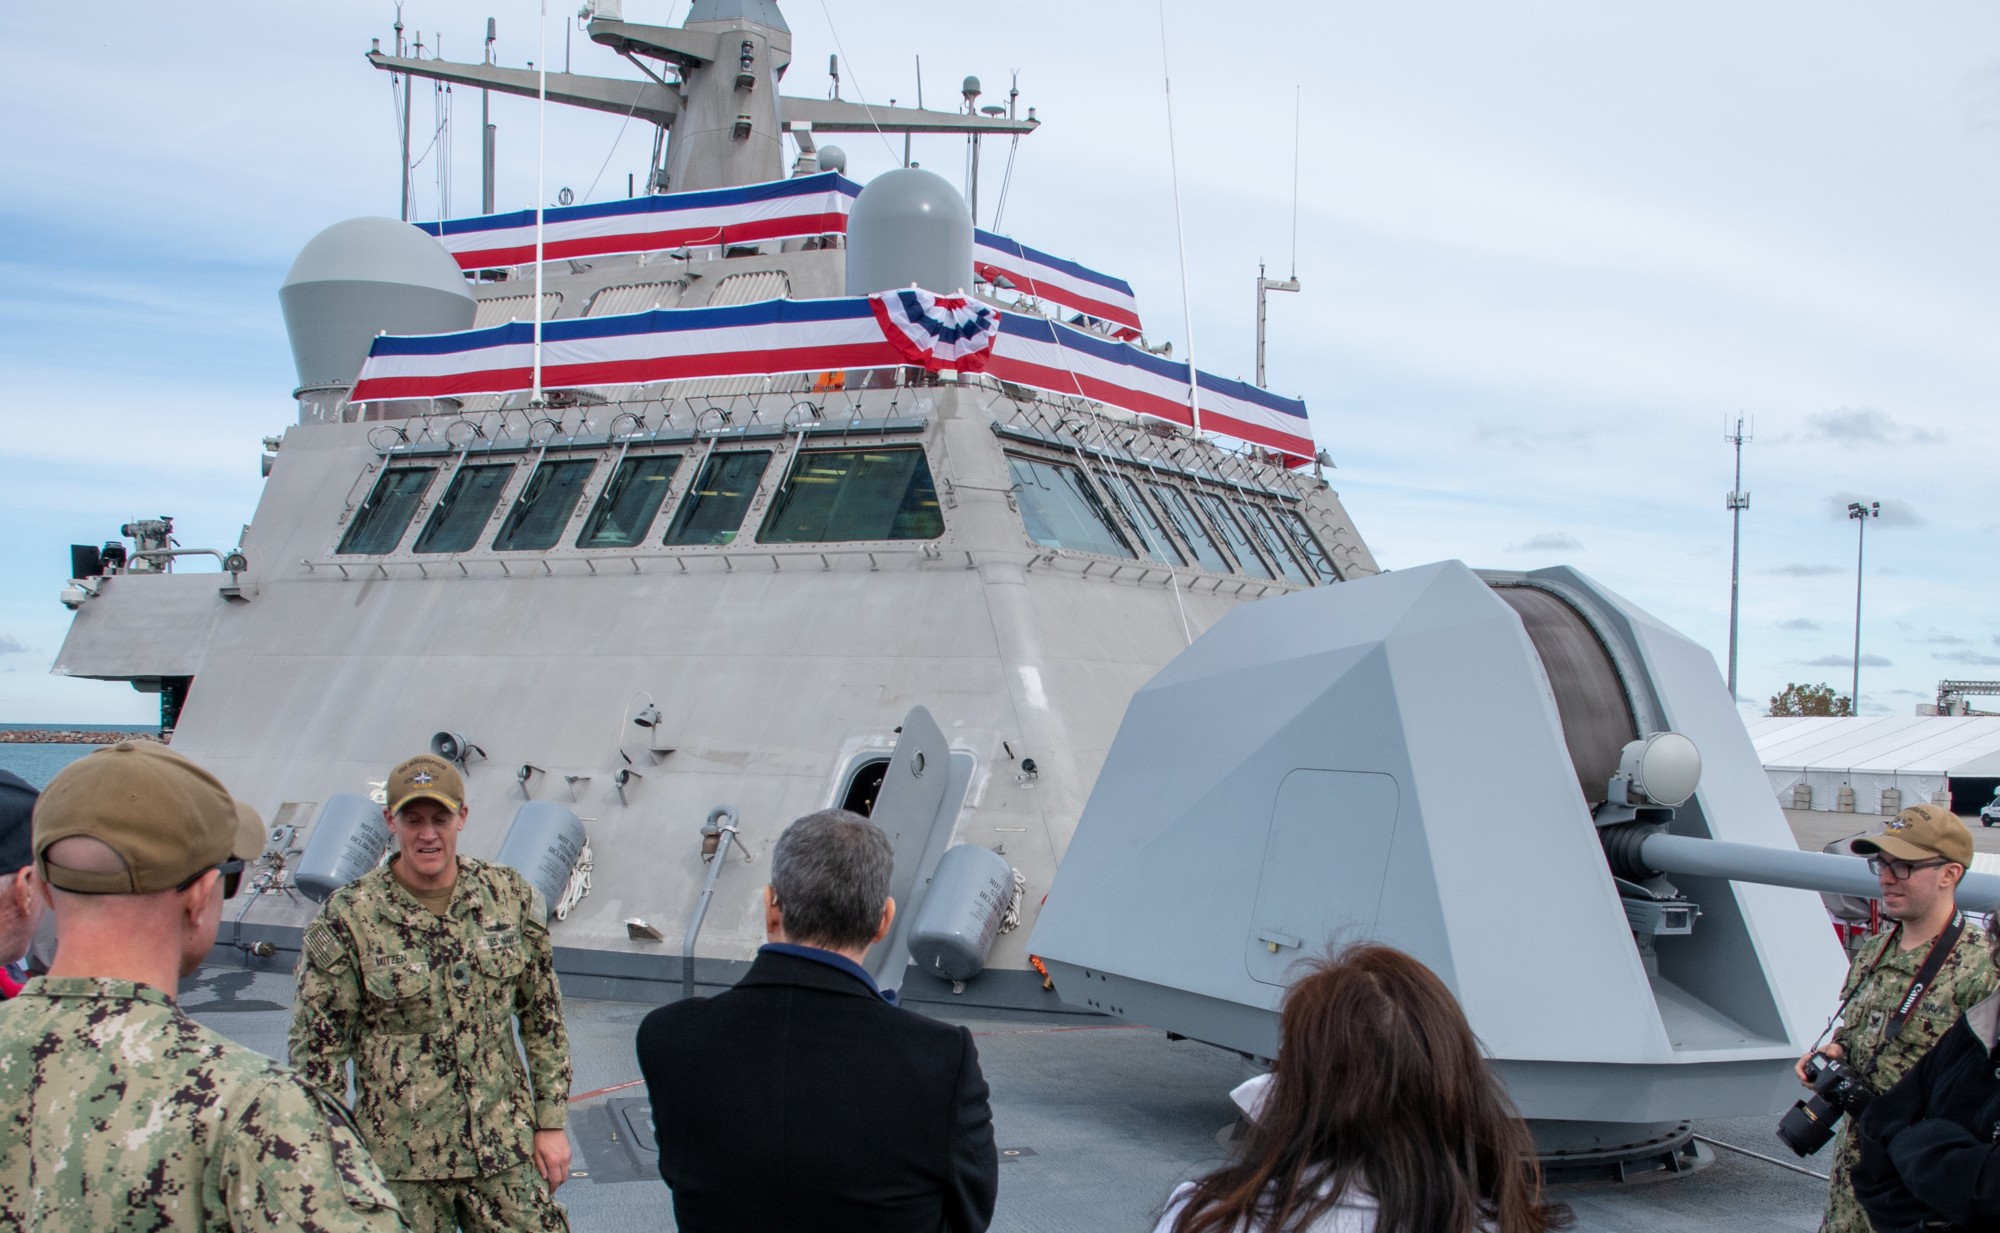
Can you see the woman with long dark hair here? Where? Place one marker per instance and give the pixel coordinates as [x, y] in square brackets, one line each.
[1381, 1116]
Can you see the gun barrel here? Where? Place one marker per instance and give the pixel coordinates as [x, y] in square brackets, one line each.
[1815, 871]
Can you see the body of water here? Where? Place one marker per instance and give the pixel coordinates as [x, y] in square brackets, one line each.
[39, 763]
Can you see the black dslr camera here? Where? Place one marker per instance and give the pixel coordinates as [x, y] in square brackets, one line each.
[1836, 1090]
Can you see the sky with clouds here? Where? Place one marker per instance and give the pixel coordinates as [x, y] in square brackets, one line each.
[1549, 249]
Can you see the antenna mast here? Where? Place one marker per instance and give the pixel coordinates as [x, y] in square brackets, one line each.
[541, 164]
[486, 132]
[403, 206]
[1738, 501]
[1281, 284]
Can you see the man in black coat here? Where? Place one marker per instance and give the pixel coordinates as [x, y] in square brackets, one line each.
[804, 1098]
[1929, 1156]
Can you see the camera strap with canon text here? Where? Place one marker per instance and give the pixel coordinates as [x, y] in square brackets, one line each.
[1921, 983]
[1939, 952]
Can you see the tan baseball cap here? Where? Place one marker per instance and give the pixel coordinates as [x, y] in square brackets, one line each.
[426, 775]
[166, 818]
[1918, 834]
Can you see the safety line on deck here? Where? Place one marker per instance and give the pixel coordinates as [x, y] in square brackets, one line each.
[1744, 1151]
[606, 1091]
[1082, 1027]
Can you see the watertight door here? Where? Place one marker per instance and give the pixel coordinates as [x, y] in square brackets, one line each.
[910, 808]
[1324, 865]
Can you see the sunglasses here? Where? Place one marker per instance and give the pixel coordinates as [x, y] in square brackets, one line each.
[232, 878]
[1901, 870]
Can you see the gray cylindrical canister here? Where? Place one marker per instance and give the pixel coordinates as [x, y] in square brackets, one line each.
[348, 841]
[959, 916]
[543, 845]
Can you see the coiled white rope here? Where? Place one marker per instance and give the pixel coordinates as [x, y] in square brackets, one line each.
[579, 885]
[1010, 920]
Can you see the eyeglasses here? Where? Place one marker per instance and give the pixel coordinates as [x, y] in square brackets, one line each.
[1901, 870]
[232, 877]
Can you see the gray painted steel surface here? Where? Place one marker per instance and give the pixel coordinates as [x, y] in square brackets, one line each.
[1387, 759]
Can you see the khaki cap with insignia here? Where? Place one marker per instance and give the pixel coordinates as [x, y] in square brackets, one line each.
[425, 775]
[1918, 834]
[166, 818]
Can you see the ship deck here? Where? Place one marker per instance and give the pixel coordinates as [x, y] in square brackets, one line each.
[1096, 1122]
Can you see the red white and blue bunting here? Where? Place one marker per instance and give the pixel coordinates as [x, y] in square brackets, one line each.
[936, 332]
[793, 209]
[748, 214]
[801, 336]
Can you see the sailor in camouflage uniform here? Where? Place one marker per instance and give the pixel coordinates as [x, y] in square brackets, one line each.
[1919, 858]
[117, 1111]
[418, 971]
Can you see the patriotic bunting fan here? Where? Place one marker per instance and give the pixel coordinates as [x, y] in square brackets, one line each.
[937, 331]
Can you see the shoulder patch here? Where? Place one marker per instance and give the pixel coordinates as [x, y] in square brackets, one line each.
[538, 907]
[324, 950]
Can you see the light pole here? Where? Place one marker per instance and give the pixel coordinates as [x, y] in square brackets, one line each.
[1738, 501]
[1860, 514]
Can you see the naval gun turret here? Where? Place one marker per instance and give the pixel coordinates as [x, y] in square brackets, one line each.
[1523, 780]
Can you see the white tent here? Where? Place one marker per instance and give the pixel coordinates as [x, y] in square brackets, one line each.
[1913, 754]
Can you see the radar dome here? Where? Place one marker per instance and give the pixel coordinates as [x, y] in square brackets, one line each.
[909, 226]
[361, 278]
[832, 158]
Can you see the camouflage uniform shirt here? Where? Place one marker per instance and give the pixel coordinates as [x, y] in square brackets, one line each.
[117, 1111]
[1965, 979]
[425, 1006]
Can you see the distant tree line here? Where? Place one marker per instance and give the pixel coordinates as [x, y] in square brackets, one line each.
[1795, 699]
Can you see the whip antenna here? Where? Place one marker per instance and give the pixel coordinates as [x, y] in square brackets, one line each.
[1180, 229]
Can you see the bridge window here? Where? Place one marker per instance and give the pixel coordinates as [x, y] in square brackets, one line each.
[1139, 512]
[1207, 553]
[1316, 555]
[542, 511]
[626, 508]
[378, 524]
[713, 508]
[1276, 546]
[458, 518]
[1233, 534]
[1061, 510]
[855, 494]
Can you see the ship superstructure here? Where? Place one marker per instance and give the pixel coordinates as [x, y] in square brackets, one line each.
[678, 608]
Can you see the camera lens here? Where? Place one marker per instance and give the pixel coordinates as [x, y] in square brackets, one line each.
[1808, 1126]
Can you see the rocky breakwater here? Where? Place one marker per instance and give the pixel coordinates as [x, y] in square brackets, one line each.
[69, 736]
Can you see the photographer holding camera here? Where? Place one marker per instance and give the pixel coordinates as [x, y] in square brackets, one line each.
[1929, 1155]
[1905, 990]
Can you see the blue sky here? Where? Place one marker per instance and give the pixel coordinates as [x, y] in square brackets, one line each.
[1549, 249]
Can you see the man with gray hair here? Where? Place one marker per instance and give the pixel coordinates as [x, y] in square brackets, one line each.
[805, 1098]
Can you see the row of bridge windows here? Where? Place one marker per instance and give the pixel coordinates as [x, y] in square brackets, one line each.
[832, 496]
[828, 496]
[1068, 506]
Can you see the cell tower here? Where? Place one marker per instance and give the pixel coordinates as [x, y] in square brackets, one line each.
[1738, 501]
